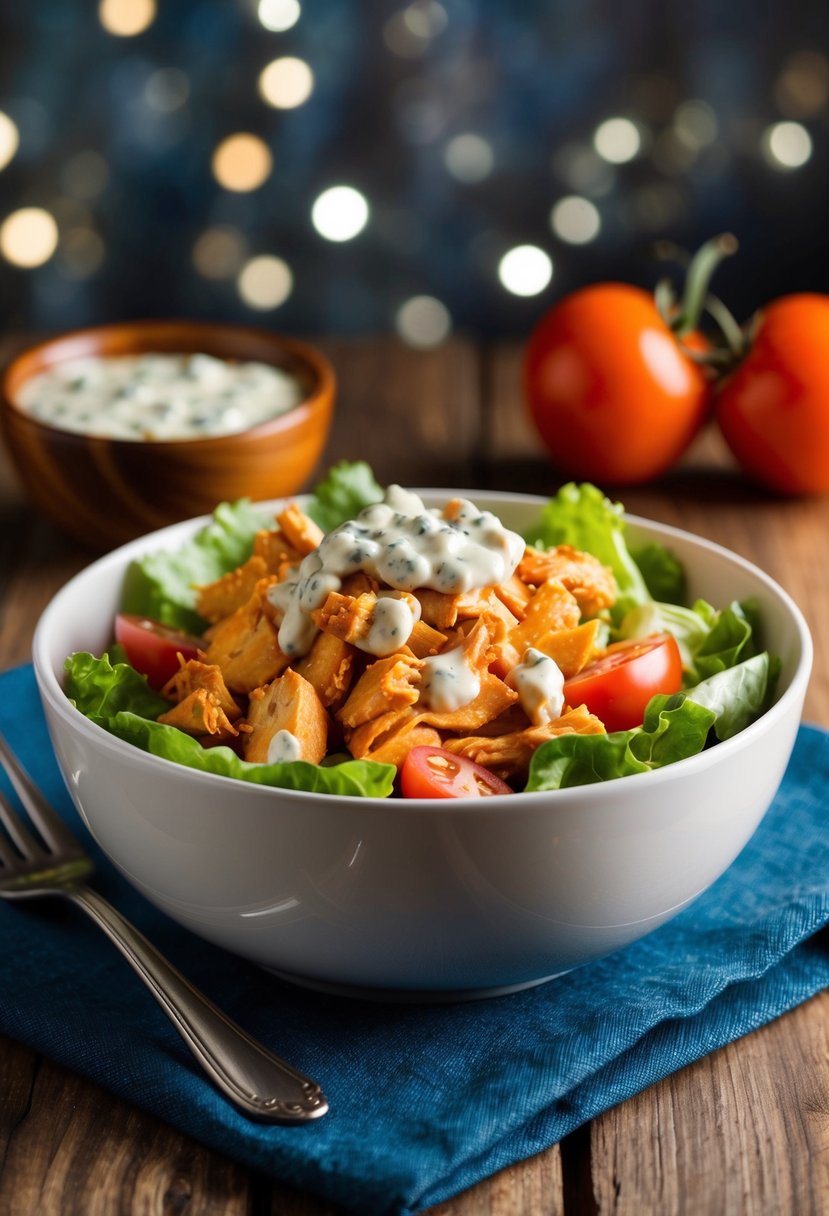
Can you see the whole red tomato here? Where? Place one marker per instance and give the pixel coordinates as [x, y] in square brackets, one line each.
[610, 388]
[773, 409]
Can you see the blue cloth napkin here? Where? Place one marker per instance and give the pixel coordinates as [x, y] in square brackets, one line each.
[425, 1100]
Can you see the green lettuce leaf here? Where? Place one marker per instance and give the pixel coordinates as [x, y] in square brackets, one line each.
[662, 571]
[102, 688]
[673, 729]
[730, 640]
[342, 495]
[710, 640]
[116, 697]
[739, 694]
[162, 585]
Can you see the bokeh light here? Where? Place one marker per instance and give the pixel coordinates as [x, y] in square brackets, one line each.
[126, 18]
[9, 139]
[617, 140]
[166, 90]
[410, 31]
[286, 83]
[582, 170]
[82, 252]
[340, 213]
[787, 145]
[469, 158]
[575, 220]
[525, 270]
[426, 137]
[278, 15]
[85, 175]
[242, 162]
[695, 124]
[265, 282]
[802, 88]
[423, 321]
[219, 252]
[28, 237]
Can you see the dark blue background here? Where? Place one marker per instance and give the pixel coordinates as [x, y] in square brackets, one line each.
[533, 78]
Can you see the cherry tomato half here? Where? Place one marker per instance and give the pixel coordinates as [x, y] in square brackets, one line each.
[774, 407]
[153, 649]
[617, 687]
[433, 772]
[614, 395]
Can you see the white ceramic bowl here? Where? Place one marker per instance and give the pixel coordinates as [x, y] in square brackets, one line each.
[422, 897]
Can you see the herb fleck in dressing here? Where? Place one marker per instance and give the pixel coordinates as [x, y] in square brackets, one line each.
[404, 545]
[159, 396]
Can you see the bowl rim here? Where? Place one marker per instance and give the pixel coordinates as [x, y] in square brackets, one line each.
[323, 390]
[51, 689]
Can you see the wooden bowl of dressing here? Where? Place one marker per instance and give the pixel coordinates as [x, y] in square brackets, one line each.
[107, 468]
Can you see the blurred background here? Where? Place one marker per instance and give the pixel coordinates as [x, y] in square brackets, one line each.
[433, 167]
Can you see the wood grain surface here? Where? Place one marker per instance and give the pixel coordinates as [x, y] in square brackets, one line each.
[744, 1131]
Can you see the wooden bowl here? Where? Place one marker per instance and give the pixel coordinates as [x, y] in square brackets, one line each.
[106, 491]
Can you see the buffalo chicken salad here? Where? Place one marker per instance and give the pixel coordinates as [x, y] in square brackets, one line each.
[363, 643]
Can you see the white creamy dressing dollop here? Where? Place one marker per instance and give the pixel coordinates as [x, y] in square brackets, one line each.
[448, 682]
[391, 624]
[539, 682]
[158, 396]
[284, 747]
[404, 545]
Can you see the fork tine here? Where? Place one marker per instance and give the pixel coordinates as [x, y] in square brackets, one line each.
[20, 835]
[43, 816]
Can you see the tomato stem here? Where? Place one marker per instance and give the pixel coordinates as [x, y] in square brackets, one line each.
[665, 299]
[729, 327]
[695, 294]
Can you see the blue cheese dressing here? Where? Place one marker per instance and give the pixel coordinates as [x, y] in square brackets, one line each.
[284, 747]
[158, 396]
[403, 545]
[539, 682]
[391, 624]
[448, 682]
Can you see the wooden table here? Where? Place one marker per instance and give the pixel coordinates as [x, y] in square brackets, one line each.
[743, 1131]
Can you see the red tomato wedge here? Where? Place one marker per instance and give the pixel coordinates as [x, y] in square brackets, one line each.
[617, 687]
[152, 648]
[433, 772]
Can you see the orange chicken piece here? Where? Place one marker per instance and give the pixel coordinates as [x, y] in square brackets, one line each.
[194, 675]
[300, 530]
[509, 755]
[219, 599]
[389, 684]
[288, 703]
[329, 667]
[245, 645]
[389, 738]
[571, 649]
[550, 607]
[592, 584]
[200, 714]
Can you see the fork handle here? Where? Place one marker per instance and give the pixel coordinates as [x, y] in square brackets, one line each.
[254, 1079]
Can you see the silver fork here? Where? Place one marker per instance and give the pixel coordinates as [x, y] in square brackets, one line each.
[254, 1079]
